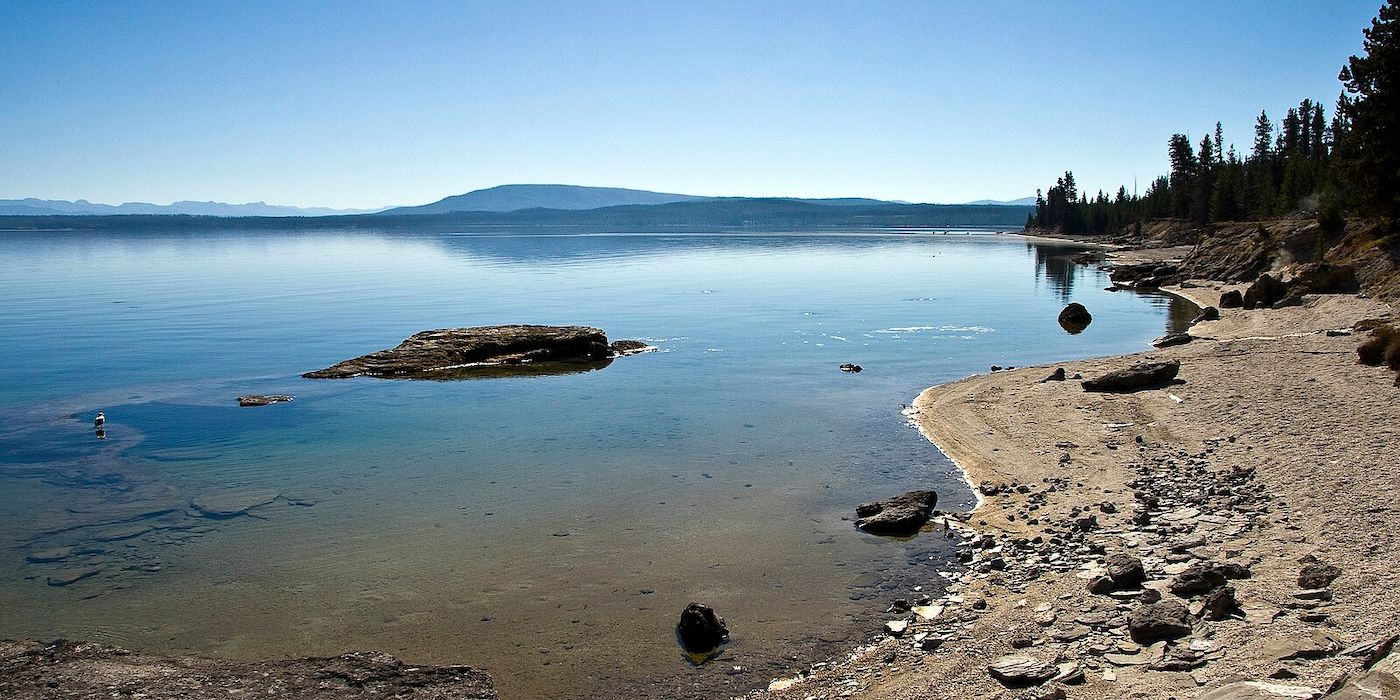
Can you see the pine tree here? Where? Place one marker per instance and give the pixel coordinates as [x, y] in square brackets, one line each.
[1373, 152]
[1184, 168]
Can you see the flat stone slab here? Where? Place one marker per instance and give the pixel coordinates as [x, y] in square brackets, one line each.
[64, 577]
[1260, 690]
[86, 670]
[449, 352]
[231, 503]
[122, 533]
[45, 556]
[1017, 671]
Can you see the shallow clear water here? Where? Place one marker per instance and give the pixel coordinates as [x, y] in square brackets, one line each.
[549, 529]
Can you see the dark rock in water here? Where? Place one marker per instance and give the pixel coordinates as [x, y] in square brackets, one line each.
[700, 630]
[1074, 318]
[1125, 570]
[456, 352]
[1197, 579]
[65, 669]
[622, 348]
[1219, 603]
[1265, 292]
[1138, 376]
[848, 367]
[1316, 573]
[1057, 376]
[1164, 619]
[1232, 299]
[1019, 671]
[261, 400]
[1210, 313]
[1171, 339]
[232, 503]
[64, 577]
[902, 515]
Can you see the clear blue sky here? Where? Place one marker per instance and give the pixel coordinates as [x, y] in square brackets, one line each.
[358, 104]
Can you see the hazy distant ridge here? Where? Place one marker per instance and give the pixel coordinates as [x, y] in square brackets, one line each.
[40, 207]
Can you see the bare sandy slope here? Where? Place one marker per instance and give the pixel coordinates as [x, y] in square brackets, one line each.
[1267, 390]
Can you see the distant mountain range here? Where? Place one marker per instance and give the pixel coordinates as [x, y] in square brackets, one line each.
[506, 198]
[1022, 202]
[82, 207]
[500, 199]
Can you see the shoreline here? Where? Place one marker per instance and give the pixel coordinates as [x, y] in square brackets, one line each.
[1061, 464]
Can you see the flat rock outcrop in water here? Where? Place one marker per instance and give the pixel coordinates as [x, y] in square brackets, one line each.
[462, 352]
[902, 515]
[80, 670]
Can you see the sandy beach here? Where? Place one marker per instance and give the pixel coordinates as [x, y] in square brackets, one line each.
[1273, 444]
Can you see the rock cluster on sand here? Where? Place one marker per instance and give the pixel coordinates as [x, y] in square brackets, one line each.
[79, 670]
[901, 515]
[452, 352]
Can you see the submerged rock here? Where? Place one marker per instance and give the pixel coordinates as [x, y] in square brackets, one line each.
[902, 515]
[1138, 376]
[64, 577]
[231, 503]
[700, 630]
[457, 352]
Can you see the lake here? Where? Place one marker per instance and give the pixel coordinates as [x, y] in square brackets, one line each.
[547, 529]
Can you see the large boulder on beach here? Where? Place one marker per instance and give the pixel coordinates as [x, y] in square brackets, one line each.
[1265, 292]
[1139, 376]
[1074, 318]
[449, 352]
[1164, 619]
[700, 630]
[902, 515]
[1232, 299]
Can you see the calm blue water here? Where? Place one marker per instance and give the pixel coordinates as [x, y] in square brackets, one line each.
[550, 528]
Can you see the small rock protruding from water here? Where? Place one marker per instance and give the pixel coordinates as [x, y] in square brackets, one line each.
[851, 368]
[263, 400]
[700, 630]
[1074, 318]
[902, 515]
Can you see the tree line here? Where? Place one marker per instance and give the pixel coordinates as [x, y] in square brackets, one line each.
[1304, 163]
